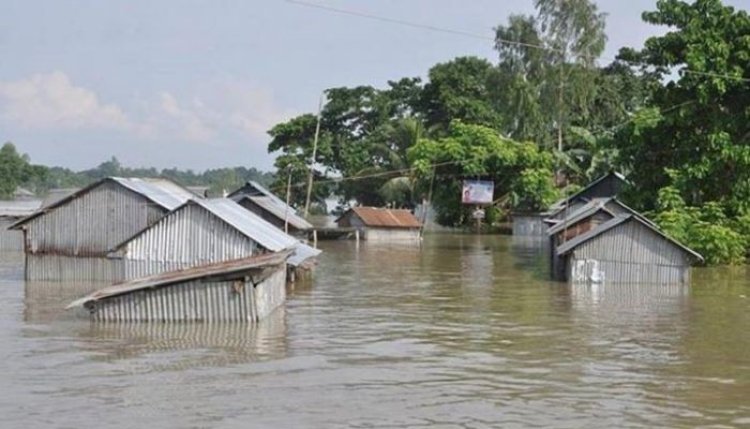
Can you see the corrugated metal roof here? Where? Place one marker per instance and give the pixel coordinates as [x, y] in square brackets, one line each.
[268, 204]
[255, 189]
[19, 208]
[559, 205]
[248, 223]
[389, 218]
[591, 208]
[161, 191]
[606, 226]
[172, 277]
[302, 252]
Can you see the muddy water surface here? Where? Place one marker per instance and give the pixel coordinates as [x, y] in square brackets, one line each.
[461, 332]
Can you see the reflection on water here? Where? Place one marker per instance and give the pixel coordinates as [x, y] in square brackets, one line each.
[462, 331]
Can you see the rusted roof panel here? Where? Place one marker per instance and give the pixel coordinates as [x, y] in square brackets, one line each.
[386, 218]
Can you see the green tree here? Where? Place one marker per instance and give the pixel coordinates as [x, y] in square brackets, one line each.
[521, 172]
[696, 135]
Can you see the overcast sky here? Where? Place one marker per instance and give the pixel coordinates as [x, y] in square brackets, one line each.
[196, 84]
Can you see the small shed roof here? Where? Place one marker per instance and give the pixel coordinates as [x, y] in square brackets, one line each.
[180, 276]
[162, 192]
[281, 212]
[18, 208]
[386, 218]
[255, 189]
[556, 207]
[248, 223]
[569, 246]
[591, 208]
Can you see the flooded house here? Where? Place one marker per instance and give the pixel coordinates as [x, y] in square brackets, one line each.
[10, 213]
[535, 223]
[599, 247]
[242, 290]
[281, 216]
[207, 260]
[205, 231]
[68, 240]
[382, 224]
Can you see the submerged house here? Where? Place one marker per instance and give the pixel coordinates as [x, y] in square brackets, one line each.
[10, 213]
[68, 240]
[380, 224]
[255, 197]
[535, 223]
[282, 217]
[202, 232]
[243, 290]
[207, 260]
[600, 247]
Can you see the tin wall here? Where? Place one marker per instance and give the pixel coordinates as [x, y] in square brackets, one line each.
[629, 253]
[10, 240]
[198, 300]
[391, 234]
[62, 268]
[190, 237]
[529, 225]
[93, 223]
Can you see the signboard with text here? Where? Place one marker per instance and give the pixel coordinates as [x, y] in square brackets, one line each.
[477, 192]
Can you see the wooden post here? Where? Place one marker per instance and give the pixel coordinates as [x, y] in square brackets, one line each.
[479, 221]
[312, 159]
[356, 237]
[288, 196]
[315, 238]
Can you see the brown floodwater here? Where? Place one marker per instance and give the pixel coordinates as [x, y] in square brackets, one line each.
[461, 332]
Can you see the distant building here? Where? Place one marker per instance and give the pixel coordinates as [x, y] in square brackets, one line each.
[10, 213]
[69, 239]
[624, 248]
[380, 224]
[255, 189]
[56, 194]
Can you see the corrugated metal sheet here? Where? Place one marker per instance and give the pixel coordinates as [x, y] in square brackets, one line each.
[18, 208]
[10, 240]
[243, 291]
[255, 189]
[302, 253]
[249, 224]
[222, 269]
[627, 251]
[608, 185]
[531, 224]
[630, 220]
[91, 223]
[279, 212]
[188, 237]
[381, 217]
[69, 269]
[161, 191]
[582, 213]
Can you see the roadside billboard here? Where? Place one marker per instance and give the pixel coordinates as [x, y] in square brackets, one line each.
[477, 192]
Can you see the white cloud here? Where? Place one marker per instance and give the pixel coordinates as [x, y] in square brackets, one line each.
[52, 101]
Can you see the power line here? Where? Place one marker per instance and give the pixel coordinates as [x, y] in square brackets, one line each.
[462, 33]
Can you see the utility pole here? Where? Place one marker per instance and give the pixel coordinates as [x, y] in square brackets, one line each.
[288, 197]
[312, 159]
